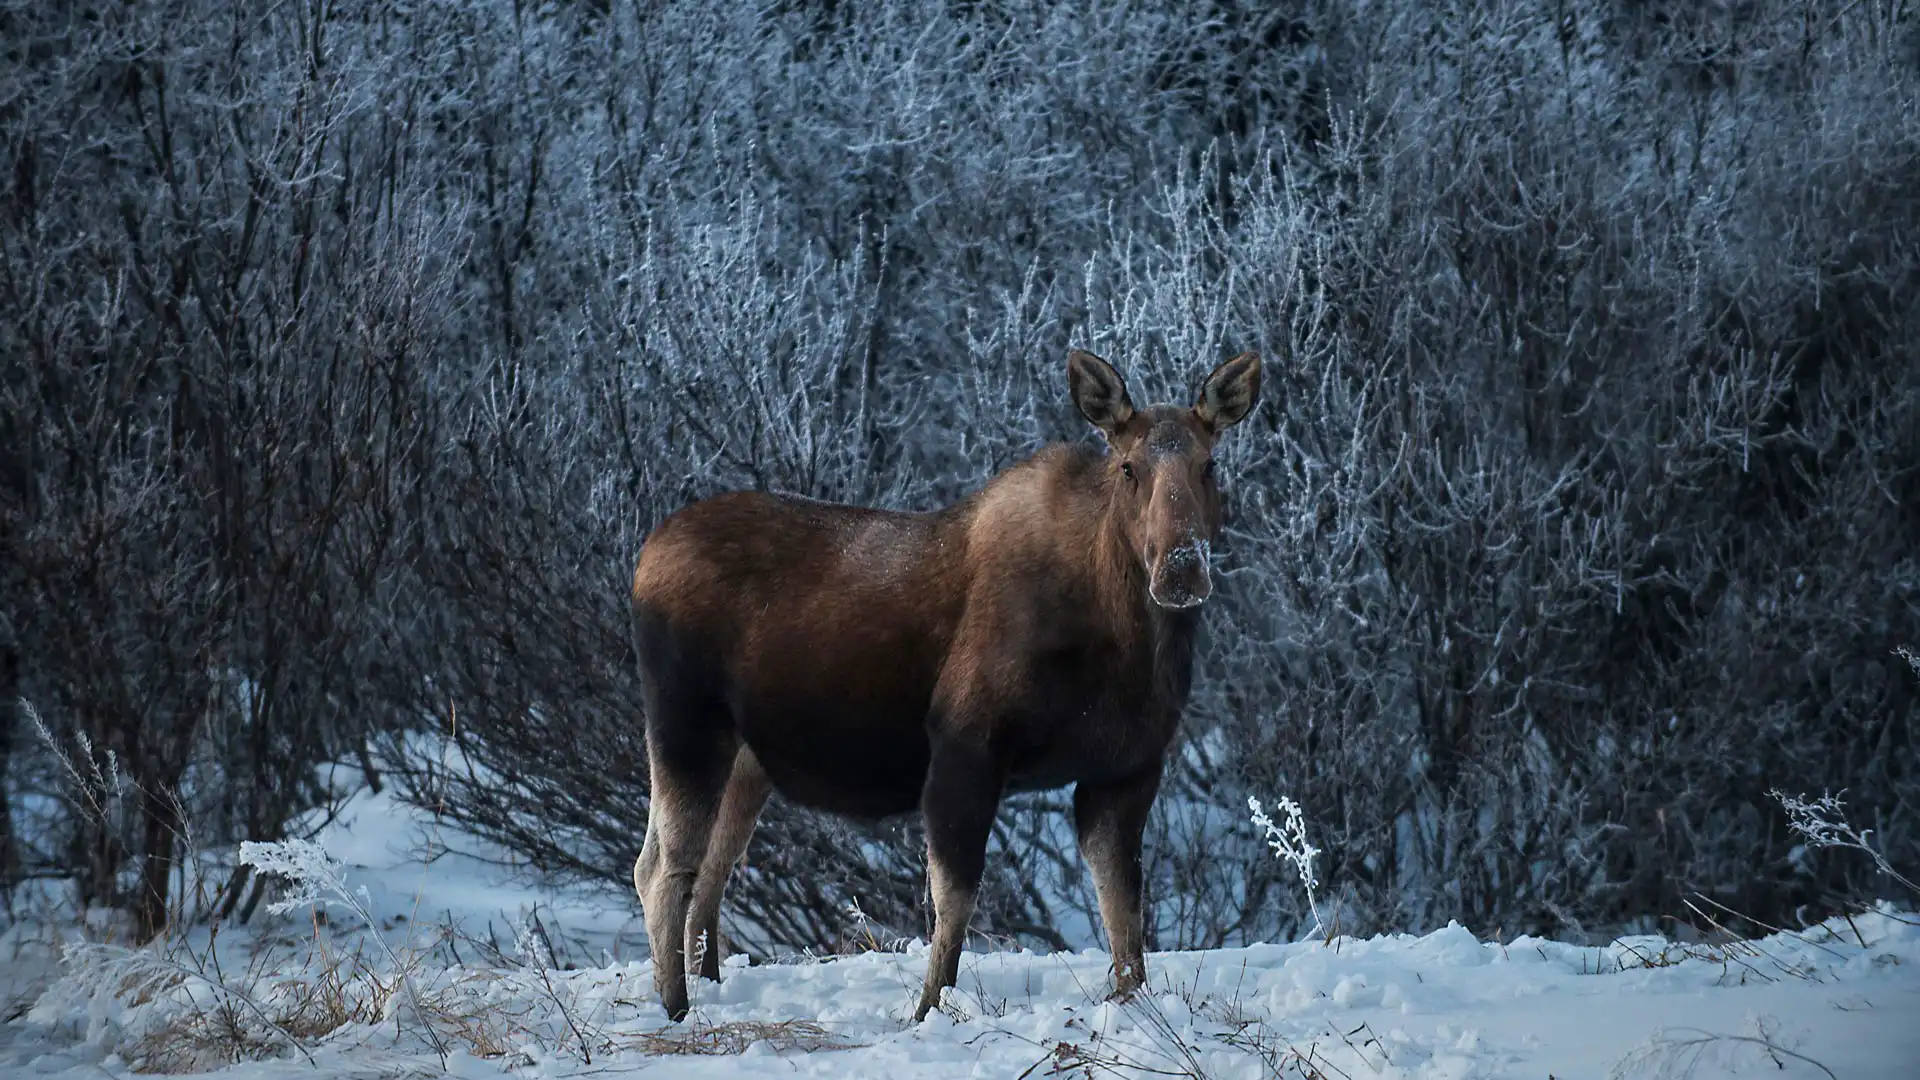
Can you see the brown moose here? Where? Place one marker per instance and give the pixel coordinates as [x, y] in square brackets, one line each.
[866, 662]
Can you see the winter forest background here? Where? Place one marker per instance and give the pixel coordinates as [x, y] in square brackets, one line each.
[348, 350]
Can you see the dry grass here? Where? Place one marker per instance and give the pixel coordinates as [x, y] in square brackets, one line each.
[334, 989]
[1681, 1051]
[1160, 1045]
[254, 1014]
[202, 1041]
[289, 996]
[734, 1037]
[484, 1035]
[1742, 958]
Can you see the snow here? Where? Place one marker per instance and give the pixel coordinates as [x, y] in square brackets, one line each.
[1838, 999]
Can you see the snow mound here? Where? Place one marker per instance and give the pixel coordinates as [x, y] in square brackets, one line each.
[1839, 997]
[433, 960]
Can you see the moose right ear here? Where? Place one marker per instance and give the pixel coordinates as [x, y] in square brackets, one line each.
[1098, 391]
[1229, 393]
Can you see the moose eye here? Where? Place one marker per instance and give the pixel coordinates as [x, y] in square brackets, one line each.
[1126, 469]
[1206, 470]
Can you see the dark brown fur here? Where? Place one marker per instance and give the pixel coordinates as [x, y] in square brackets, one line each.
[870, 663]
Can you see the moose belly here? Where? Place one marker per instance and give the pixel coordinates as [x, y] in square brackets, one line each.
[1084, 761]
[857, 748]
[848, 733]
[1087, 735]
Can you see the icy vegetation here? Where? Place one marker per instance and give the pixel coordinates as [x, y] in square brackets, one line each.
[349, 349]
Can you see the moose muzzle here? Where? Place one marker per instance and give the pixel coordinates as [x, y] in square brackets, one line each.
[1180, 578]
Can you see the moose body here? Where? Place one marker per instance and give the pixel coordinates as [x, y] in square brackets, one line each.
[870, 663]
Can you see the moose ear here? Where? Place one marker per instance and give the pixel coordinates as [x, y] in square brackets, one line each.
[1229, 393]
[1099, 392]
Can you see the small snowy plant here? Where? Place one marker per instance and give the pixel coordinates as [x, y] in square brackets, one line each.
[539, 960]
[1289, 842]
[316, 878]
[103, 790]
[1822, 823]
[312, 876]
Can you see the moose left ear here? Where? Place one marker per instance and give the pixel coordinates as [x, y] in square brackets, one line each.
[1099, 392]
[1229, 393]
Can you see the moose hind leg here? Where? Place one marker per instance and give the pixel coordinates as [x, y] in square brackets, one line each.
[961, 797]
[1110, 819]
[688, 780]
[746, 793]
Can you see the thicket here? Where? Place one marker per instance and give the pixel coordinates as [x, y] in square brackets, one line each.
[348, 351]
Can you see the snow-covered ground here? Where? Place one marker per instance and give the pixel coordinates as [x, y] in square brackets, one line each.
[1839, 1000]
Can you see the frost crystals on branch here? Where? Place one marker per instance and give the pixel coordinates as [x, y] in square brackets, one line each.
[313, 876]
[1823, 824]
[1289, 842]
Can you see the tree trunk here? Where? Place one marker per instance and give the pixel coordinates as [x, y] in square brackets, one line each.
[366, 763]
[10, 721]
[253, 899]
[230, 895]
[156, 871]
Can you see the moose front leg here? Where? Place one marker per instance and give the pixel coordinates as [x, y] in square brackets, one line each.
[1110, 819]
[961, 796]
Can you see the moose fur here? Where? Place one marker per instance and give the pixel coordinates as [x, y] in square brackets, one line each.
[869, 663]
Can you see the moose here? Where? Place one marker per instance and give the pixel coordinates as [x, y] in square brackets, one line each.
[865, 662]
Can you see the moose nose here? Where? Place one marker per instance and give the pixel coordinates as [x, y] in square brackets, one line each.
[1181, 579]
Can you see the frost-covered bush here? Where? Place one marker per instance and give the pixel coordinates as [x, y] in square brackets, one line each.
[350, 353]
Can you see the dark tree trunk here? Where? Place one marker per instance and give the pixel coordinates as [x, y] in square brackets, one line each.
[150, 909]
[10, 720]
